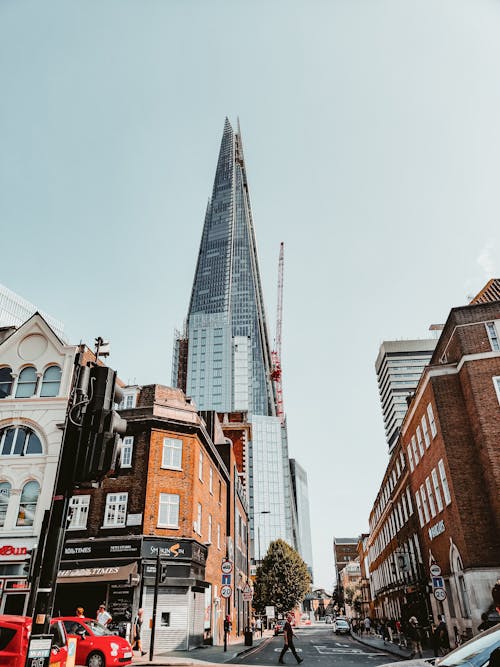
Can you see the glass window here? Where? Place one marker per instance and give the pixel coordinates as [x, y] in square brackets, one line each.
[168, 510]
[410, 457]
[408, 498]
[209, 537]
[218, 536]
[437, 492]
[430, 496]
[78, 512]
[126, 453]
[496, 383]
[51, 381]
[27, 504]
[444, 482]
[198, 521]
[423, 495]
[5, 381]
[115, 513]
[200, 466]
[493, 336]
[420, 443]
[432, 423]
[26, 383]
[129, 401]
[5, 489]
[425, 431]
[172, 453]
[19, 441]
[414, 447]
[419, 508]
[211, 481]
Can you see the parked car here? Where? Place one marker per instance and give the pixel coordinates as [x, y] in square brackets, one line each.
[96, 645]
[14, 639]
[341, 627]
[279, 626]
[474, 653]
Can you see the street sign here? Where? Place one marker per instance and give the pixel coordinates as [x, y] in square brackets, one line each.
[435, 570]
[440, 594]
[270, 612]
[247, 593]
[226, 579]
[226, 591]
[437, 582]
[226, 567]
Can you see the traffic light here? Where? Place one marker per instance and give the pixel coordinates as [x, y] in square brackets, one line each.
[100, 442]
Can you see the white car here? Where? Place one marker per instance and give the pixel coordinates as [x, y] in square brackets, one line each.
[474, 653]
[341, 627]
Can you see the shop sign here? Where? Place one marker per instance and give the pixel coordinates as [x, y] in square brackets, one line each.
[16, 585]
[436, 529]
[88, 572]
[175, 550]
[97, 549]
[13, 549]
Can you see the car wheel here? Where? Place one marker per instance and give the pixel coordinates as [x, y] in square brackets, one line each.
[96, 660]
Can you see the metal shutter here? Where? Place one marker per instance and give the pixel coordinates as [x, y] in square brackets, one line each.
[172, 600]
[197, 619]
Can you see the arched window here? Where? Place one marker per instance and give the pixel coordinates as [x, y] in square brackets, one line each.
[27, 504]
[5, 381]
[5, 488]
[19, 441]
[26, 384]
[51, 381]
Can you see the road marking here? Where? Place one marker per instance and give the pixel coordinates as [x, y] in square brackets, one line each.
[278, 650]
[330, 650]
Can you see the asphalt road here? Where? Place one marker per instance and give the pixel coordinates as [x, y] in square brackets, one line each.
[319, 647]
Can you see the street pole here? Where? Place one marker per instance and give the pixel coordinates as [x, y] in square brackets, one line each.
[155, 604]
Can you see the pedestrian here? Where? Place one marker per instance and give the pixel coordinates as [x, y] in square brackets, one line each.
[288, 636]
[258, 625]
[137, 643]
[415, 635]
[80, 612]
[440, 639]
[367, 623]
[103, 617]
[385, 631]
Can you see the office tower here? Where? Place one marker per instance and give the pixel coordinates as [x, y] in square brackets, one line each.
[14, 311]
[399, 366]
[301, 503]
[223, 358]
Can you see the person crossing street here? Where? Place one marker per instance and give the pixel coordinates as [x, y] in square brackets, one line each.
[288, 636]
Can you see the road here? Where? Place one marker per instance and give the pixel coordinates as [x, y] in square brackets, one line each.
[318, 646]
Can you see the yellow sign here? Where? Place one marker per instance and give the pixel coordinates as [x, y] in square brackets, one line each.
[71, 652]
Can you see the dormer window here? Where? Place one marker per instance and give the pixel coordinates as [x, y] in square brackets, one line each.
[5, 381]
[51, 382]
[26, 384]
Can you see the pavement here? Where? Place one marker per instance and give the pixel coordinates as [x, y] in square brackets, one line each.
[205, 655]
[376, 641]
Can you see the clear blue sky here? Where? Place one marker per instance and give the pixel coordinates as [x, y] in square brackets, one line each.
[372, 143]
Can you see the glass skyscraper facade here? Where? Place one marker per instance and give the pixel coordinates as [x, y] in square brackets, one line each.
[223, 359]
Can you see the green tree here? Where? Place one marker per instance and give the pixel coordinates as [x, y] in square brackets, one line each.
[282, 580]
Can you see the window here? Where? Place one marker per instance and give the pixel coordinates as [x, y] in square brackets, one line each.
[408, 498]
[78, 511]
[51, 381]
[198, 520]
[437, 491]
[444, 482]
[402, 458]
[129, 401]
[410, 458]
[168, 510]
[496, 382]
[424, 503]
[425, 432]
[419, 508]
[5, 489]
[27, 504]
[5, 381]
[430, 496]
[218, 536]
[420, 443]
[209, 537]
[172, 453]
[211, 481]
[19, 441]
[26, 383]
[126, 453]
[220, 492]
[200, 466]
[414, 447]
[115, 513]
[432, 423]
[493, 336]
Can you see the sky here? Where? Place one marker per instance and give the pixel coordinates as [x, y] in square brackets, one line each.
[372, 146]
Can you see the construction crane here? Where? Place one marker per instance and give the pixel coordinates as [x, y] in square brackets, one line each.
[276, 353]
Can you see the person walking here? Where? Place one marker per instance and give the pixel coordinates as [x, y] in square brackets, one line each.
[288, 636]
[415, 635]
[258, 625]
[367, 624]
[440, 639]
[103, 617]
[137, 643]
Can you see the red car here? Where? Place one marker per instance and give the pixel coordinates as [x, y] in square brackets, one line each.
[96, 645]
[14, 638]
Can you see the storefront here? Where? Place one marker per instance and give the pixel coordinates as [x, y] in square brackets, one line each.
[181, 620]
[15, 554]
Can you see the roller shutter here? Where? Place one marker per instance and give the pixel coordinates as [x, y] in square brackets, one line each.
[175, 602]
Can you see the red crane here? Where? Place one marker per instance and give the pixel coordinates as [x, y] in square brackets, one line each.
[276, 353]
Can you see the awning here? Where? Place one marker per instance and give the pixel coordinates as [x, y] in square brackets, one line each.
[81, 575]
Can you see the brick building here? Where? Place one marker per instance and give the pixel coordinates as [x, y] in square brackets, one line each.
[451, 437]
[170, 496]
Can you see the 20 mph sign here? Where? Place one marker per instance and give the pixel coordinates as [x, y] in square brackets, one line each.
[226, 591]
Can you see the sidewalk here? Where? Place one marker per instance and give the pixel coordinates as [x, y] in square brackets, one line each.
[376, 641]
[204, 655]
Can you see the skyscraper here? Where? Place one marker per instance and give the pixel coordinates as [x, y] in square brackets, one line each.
[223, 359]
[14, 311]
[399, 366]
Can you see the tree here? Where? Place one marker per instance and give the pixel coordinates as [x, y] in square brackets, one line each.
[282, 580]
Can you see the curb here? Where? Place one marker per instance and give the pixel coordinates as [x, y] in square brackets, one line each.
[384, 648]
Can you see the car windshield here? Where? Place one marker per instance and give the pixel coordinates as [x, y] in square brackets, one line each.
[97, 629]
[477, 651]
[343, 623]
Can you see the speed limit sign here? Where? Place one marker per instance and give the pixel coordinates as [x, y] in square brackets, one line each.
[440, 594]
[226, 591]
